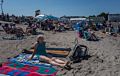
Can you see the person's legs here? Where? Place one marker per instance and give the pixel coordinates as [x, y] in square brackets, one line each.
[45, 58]
[77, 34]
[57, 64]
[80, 35]
[51, 61]
[59, 61]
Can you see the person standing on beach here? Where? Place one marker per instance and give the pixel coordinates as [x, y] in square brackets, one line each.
[79, 30]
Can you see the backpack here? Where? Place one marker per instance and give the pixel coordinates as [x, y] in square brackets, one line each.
[79, 52]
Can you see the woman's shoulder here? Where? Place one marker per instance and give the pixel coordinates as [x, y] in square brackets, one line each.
[44, 43]
[35, 43]
[40, 43]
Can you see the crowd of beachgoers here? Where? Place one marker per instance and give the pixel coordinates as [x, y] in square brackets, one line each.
[84, 29]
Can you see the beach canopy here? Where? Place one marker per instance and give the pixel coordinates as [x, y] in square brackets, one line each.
[40, 16]
[45, 17]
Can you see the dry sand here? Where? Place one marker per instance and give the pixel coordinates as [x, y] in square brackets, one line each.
[104, 60]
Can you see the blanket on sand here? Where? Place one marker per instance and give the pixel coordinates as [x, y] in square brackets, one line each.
[18, 69]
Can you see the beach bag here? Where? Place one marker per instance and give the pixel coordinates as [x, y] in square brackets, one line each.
[78, 53]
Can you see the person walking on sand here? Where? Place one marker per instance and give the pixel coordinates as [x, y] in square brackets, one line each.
[40, 51]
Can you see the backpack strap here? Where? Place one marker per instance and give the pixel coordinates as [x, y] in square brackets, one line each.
[73, 49]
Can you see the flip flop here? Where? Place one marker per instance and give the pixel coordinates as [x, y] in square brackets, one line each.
[67, 67]
[69, 63]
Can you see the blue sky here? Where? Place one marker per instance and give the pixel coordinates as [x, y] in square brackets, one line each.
[61, 7]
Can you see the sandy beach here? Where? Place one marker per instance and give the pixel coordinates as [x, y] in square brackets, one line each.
[104, 60]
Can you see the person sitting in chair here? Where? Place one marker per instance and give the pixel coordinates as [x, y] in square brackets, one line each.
[90, 36]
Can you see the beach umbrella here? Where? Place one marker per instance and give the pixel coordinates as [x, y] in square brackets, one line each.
[51, 17]
[40, 17]
[45, 17]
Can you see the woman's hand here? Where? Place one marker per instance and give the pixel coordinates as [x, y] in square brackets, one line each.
[30, 58]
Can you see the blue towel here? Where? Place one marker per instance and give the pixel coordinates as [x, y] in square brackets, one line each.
[18, 72]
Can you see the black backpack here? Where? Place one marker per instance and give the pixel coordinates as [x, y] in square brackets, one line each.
[78, 53]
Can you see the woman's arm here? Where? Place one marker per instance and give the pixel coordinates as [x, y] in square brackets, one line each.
[33, 45]
[33, 51]
[33, 54]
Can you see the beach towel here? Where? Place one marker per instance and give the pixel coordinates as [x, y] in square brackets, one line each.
[4, 75]
[20, 66]
[23, 58]
[18, 69]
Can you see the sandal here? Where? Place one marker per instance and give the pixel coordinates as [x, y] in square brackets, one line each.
[67, 67]
[69, 63]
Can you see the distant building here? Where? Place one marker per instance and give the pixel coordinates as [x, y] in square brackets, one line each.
[114, 17]
[77, 19]
[74, 18]
[97, 19]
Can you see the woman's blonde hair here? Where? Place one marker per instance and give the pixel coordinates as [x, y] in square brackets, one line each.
[40, 36]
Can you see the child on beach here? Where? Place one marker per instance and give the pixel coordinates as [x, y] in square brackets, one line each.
[40, 51]
[79, 30]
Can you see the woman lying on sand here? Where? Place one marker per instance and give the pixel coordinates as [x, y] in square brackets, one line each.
[40, 51]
